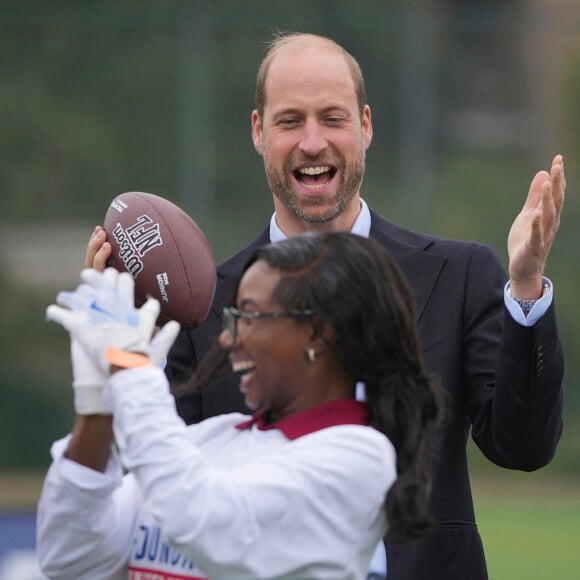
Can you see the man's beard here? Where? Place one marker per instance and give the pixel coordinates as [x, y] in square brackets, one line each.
[281, 184]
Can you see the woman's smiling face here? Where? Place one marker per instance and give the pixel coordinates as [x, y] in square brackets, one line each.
[271, 350]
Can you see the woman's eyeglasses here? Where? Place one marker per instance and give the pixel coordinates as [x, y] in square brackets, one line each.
[231, 316]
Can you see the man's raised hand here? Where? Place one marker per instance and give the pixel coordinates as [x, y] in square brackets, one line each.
[534, 229]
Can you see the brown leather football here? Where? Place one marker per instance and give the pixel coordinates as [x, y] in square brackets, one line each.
[166, 252]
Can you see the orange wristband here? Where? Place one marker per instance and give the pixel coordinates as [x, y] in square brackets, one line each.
[126, 359]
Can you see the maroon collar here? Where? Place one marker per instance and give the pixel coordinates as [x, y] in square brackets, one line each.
[342, 412]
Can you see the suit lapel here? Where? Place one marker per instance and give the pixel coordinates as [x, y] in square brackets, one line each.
[421, 268]
[229, 272]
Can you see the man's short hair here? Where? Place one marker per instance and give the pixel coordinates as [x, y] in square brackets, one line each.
[282, 40]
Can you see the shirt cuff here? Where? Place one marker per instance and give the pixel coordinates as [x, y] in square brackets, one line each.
[538, 309]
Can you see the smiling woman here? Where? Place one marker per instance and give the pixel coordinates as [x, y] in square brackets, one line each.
[306, 487]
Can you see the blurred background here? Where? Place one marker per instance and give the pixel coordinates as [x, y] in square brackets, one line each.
[469, 100]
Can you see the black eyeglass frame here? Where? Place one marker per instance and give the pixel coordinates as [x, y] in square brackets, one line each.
[231, 315]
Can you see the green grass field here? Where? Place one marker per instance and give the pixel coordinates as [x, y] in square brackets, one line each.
[530, 532]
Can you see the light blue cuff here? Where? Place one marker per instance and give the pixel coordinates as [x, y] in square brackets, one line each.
[538, 309]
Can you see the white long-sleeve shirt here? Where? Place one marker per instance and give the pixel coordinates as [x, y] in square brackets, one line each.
[303, 499]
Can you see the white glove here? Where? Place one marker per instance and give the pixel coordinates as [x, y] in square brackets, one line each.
[88, 383]
[100, 315]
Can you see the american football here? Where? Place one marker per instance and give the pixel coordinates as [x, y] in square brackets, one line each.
[166, 252]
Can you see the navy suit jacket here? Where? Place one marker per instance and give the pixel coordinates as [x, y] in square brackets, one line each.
[502, 382]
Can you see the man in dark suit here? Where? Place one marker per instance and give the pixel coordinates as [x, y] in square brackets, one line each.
[494, 346]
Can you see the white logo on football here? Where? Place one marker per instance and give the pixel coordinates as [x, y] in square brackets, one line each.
[162, 282]
[135, 241]
[119, 205]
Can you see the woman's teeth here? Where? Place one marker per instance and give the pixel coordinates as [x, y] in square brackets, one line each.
[242, 366]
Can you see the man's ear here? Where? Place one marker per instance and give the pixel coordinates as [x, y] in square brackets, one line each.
[367, 126]
[257, 133]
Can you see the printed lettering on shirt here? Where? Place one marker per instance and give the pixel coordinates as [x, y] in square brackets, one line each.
[152, 558]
